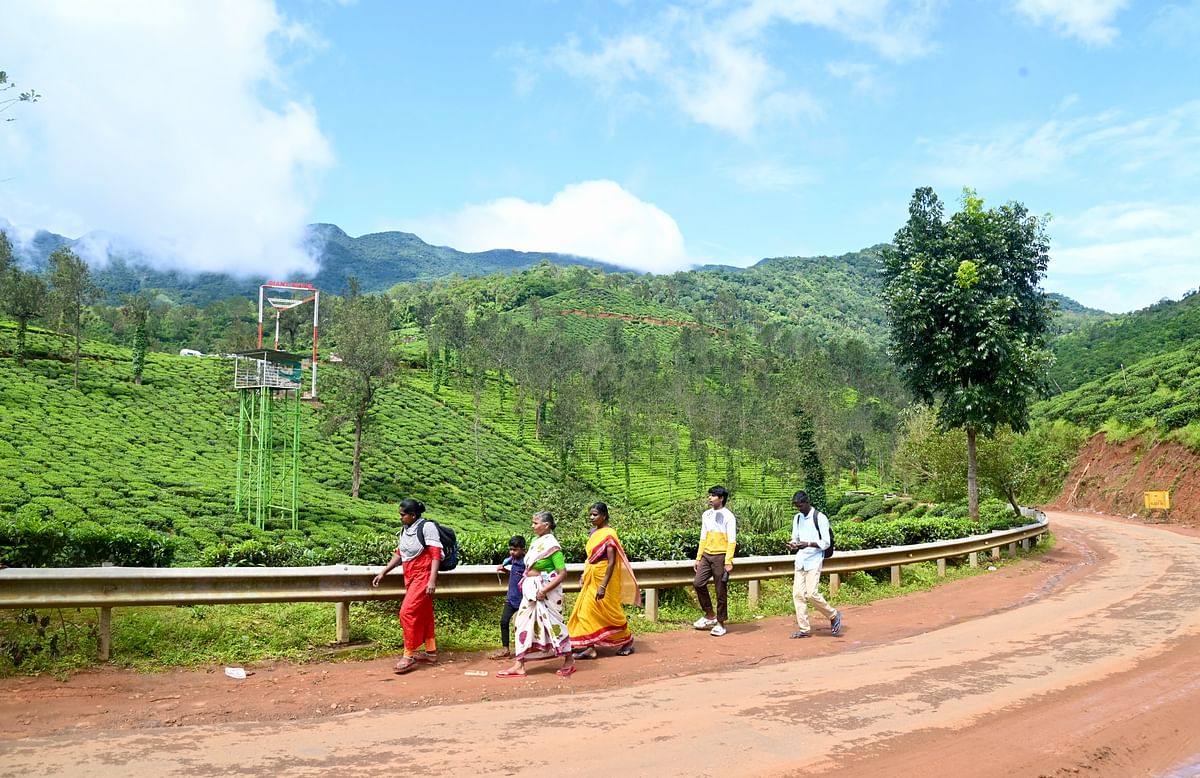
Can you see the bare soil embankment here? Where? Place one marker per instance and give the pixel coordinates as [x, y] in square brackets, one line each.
[1112, 477]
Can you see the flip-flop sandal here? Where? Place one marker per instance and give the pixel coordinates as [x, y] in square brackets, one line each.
[625, 650]
[404, 665]
[427, 658]
[587, 653]
[498, 654]
[507, 674]
[565, 671]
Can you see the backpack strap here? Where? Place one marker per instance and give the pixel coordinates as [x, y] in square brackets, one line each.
[814, 513]
[421, 532]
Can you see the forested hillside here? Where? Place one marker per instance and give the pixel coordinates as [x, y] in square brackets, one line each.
[1160, 392]
[1074, 316]
[1097, 350]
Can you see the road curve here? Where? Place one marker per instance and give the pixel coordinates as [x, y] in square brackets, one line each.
[1097, 675]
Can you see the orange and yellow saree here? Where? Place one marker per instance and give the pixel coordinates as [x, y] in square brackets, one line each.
[601, 621]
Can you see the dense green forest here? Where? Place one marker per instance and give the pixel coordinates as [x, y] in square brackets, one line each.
[1102, 347]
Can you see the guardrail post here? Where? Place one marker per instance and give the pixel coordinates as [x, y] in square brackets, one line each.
[1025, 544]
[896, 575]
[105, 629]
[341, 619]
[941, 565]
[651, 603]
[754, 592]
[996, 553]
[1012, 550]
[973, 558]
[835, 583]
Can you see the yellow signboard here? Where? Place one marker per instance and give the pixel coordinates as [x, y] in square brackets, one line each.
[1155, 500]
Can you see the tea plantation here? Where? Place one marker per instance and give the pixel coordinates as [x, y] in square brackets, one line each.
[139, 465]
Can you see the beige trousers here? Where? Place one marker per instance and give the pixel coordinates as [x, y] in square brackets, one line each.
[804, 591]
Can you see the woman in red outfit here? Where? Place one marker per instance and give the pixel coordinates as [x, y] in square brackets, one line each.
[420, 555]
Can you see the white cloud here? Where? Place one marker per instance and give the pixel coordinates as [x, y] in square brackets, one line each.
[169, 124]
[1178, 25]
[1124, 256]
[618, 60]
[1089, 21]
[712, 61]
[596, 219]
[1121, 220]
[734, 89]
[769, 176]
[897, 30]
[1118, 256]
[1166, 144]
[860, 75]
[1008, 155]
[1126, 275]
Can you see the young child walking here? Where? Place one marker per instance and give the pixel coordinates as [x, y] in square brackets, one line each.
[515, 564]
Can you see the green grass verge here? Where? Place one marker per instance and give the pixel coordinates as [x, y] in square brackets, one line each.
[159, 638]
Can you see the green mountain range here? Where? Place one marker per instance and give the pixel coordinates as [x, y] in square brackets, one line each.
[379, 261]
[1101, 348]
[829, 296]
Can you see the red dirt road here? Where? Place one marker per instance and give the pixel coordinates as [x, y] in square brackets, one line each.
[1083, 662]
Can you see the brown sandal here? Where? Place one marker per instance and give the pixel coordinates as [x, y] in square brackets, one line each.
[499, 653]
[427, 657]
[404, 665]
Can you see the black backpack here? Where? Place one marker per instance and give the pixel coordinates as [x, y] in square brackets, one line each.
[829, 548]
[449, 540]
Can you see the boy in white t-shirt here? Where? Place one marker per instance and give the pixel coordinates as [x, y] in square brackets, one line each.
[810, 538]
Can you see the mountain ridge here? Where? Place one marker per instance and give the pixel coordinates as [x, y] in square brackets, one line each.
[381, 260]
[378, 260]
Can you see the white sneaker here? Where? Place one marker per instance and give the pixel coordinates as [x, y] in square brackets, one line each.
[717, 631]
[704, 622]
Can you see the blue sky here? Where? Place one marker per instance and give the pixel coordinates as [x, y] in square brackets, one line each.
[647, 134]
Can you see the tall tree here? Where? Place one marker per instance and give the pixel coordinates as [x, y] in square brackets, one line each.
[857, 455]
[24, 299]
[293, 322]
[72, 291]
[361, 332]
[968, 318]
[6, 102]
[136, 311]
[810, 460]
[7, 262]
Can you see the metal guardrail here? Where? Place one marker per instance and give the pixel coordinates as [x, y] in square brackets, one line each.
[111, 587]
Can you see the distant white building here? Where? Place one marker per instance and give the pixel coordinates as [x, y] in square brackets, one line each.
[334, 358]
[189, 352]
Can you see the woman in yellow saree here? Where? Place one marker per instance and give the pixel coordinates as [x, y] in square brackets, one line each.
[598, 618]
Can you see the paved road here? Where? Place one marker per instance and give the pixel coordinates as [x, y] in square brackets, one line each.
[1071, 679]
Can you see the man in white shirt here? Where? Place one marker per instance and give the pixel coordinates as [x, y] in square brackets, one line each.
[810, 538]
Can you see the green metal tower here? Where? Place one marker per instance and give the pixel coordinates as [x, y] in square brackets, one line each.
[268, 474]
